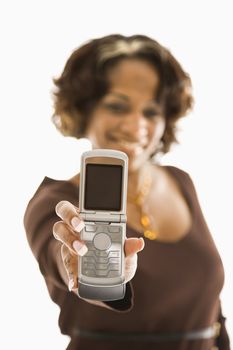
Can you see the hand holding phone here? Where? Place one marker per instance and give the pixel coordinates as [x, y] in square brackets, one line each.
[67, 233]
[102, 204]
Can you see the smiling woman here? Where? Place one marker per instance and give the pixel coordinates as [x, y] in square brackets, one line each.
[127, 94]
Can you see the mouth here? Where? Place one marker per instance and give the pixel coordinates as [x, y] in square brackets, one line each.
[130, 148]
[129, 144]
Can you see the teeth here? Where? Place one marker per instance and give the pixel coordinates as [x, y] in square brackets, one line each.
[129, 144]
[137, 148]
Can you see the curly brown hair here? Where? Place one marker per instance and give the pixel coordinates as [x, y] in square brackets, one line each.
[84, 81]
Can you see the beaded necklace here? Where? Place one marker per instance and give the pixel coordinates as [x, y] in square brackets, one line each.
[139, 201]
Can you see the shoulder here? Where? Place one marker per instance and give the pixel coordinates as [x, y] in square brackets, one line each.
[178, 172]
[183, 177]
[50, 188]
[47, 195]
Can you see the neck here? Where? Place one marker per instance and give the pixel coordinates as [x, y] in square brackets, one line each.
[136, 178]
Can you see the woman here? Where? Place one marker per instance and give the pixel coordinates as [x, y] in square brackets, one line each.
[127, 93]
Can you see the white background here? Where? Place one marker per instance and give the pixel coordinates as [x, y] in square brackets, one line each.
[36, 39]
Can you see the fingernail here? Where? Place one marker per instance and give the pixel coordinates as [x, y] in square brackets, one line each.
[80, 248]
[77, 224]
[61, 208]
[71, 284]
[143, 243]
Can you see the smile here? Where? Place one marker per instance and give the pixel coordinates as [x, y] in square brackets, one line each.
[129, 144]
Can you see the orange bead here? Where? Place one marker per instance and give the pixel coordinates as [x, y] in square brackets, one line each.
[150, 234]
[145, 221]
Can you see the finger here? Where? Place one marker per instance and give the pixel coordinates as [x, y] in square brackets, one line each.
[133, 245]
[63, 233]
[70, 214]
[130, 266]
[71, 265]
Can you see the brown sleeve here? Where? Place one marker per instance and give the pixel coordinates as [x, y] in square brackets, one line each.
[39, 219]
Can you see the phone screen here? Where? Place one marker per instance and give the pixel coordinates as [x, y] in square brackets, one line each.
[103, 187]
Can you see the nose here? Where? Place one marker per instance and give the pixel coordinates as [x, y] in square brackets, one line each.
[135, 126]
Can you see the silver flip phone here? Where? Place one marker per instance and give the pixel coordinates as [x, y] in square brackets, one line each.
[102, 204]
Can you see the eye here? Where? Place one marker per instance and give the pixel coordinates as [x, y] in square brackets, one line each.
[116, 107]
[150, 112]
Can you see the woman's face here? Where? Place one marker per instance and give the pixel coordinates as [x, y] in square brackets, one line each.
[128, 118]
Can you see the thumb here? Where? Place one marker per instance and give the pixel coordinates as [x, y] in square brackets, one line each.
[133, 245]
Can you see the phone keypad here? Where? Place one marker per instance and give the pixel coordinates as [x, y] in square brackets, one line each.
[103, 258]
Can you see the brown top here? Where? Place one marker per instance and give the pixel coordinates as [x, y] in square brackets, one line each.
[176, 287]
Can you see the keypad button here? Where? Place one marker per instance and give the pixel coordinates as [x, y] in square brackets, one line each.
[116, 237]
[89, 266]
[114, 267]
[114, 254]
[89, 259]
[99, 253]
[103, 254]
[89, 273]
[113, 273]
[102, 260]
[90, 253]
[101, 273]
[90, 228]
[113, 229]
[88, 236]
[102, 266]
[114, 260]
[90, 246]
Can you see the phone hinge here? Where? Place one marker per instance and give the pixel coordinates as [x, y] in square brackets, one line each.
[103, 217]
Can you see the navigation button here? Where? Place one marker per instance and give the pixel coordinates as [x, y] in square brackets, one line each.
[102, 241]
